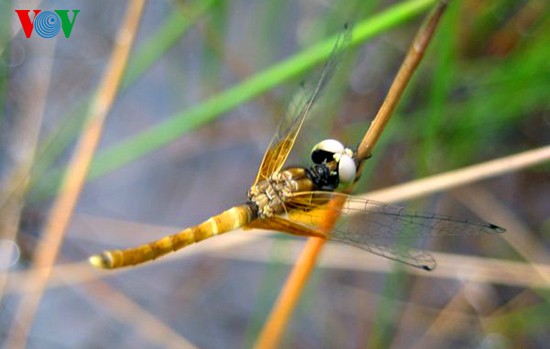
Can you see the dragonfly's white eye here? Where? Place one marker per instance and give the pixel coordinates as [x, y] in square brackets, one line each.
[324, 151]
[346, 169]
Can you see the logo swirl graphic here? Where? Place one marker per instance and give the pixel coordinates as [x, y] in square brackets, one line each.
[47, 24]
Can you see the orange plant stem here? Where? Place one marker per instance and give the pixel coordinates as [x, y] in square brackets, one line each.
[292, 289]
[288, 298]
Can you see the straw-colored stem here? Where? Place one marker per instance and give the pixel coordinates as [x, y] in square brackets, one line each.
[126, 311]
[408, 67]
[466, 175]
[228, 247]
[281, 312]
[47, 249]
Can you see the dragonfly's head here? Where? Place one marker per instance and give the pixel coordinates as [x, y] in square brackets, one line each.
[334, 154]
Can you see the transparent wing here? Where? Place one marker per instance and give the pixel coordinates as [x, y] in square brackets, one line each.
[283, 140]
[389, 231]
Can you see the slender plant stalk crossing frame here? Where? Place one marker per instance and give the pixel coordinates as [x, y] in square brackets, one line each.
[288, 298]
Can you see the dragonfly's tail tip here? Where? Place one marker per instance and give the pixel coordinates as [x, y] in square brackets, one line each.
[100, 261]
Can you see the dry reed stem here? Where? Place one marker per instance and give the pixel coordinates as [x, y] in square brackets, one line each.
[443, 321]
[450, 266]
[74, 273]
[240, 247]
[453, 179]
[522, 300]
[416, 316]
[407, 69]
[270, 335]
[128, 312]
[445, 324]
[522, 240]
[47, 249]
[477, 298]
[481, 202]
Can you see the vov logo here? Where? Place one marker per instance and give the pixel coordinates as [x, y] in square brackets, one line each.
[47, 23]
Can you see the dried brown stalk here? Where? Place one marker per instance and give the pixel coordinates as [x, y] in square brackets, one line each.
[47, 249]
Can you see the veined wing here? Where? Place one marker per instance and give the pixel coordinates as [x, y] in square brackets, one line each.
[386, 230]
[283, 140]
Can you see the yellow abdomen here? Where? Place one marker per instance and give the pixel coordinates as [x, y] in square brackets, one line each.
[226, 221]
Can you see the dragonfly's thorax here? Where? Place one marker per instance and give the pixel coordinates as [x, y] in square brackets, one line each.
[269, 196]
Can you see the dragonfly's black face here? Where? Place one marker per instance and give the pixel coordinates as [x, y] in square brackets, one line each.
[323, 177]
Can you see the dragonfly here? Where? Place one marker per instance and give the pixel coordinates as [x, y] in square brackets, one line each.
[297, 201]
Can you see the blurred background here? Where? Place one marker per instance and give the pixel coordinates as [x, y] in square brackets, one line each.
[480, 93]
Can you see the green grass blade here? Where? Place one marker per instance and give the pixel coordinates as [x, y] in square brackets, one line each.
[132, 149]
[173, 29]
